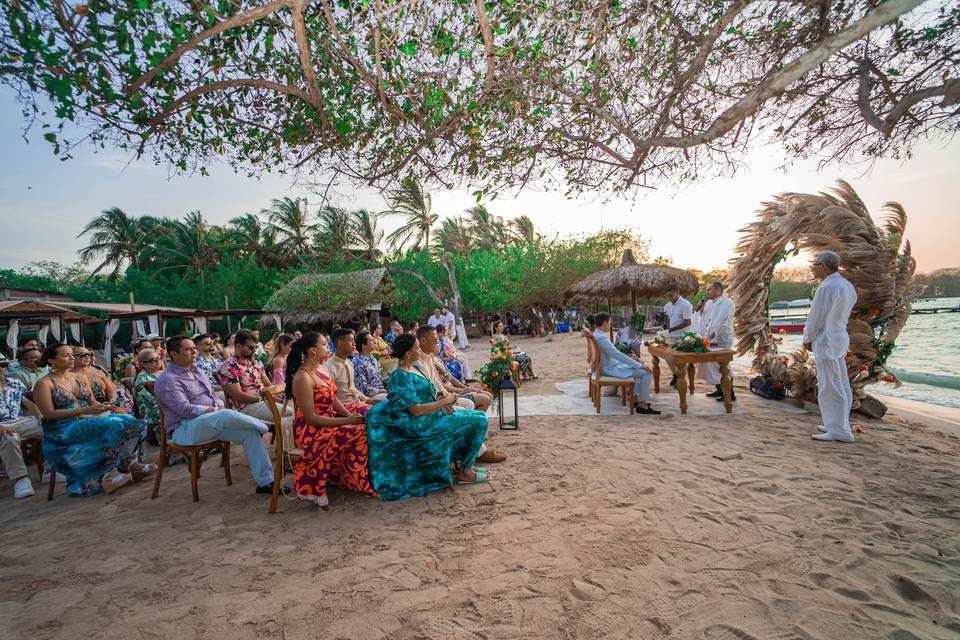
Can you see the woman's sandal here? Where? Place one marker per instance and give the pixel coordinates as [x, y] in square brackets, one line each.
[141, 470]
[114, 480]
[481, 475]
[321, 501]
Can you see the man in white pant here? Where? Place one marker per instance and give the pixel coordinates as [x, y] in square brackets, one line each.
[717, 327]
[826, 334]
[193, 413]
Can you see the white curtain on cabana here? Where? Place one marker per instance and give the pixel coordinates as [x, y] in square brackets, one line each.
[199, 325]
[154, 324]
[42, 335]
[276, 320]
[75, 332]
[13, 334]
[141, 329]
[111, 330]
[55, 329]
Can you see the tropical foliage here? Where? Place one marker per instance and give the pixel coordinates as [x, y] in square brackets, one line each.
[502, 365]
[612, 94]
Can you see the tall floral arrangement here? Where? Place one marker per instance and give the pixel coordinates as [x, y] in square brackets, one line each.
[502, 364]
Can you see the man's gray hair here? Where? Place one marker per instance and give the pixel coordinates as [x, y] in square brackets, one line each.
[829, 259]
[717, 284]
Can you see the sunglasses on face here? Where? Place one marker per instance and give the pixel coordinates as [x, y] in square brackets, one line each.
[151, 361]
[82, 355]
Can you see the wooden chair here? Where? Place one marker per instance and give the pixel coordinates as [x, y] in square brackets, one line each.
[598, 381]
[32, 451]
[192, 453]
[285, 450]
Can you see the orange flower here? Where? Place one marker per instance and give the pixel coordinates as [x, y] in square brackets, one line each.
[514, 365]
[782, 331]
[889, 378]
[494, 373]
[485, 388]
[706, 342]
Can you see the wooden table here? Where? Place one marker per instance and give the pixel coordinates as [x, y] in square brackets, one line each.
[687, 363]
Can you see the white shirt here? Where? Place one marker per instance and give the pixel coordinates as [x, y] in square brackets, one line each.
[677, 313]
[449, 320]
[826, 326]
[717, 321]
[436, 321]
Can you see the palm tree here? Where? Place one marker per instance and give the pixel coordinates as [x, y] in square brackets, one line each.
[249, 236]
[523, 229]
[367, 237]
[116, 237]
[190, 245]
[489, 230]
[454, 236]
[289, 216]
[334, 234]
[413, 202]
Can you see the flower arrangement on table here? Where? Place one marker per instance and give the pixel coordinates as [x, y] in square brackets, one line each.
[691, 342]
[662, 339]
[502, 364]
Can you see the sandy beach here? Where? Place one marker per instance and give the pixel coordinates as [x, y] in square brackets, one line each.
[596, 527]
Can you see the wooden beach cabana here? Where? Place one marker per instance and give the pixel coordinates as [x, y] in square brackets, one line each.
[47, 318]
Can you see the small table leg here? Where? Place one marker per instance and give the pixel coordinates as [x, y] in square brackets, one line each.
[656, 374]
[682, 388]
[691, 373]
[726, 386]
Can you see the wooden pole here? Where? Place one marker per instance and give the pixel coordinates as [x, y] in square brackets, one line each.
[633, 300]
[610, 311]
[226, 306]
[133, 305]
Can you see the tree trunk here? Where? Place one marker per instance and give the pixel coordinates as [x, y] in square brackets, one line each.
[454, 287]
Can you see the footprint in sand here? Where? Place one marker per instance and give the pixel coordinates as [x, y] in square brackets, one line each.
[726, 632]
[438, 629]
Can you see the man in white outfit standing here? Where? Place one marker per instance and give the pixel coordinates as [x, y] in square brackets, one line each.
[826, 334]
[717, 327]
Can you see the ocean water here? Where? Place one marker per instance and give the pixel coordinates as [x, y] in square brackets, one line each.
[926, 358]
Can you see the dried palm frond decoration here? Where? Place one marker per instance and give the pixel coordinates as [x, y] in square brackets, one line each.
[875, 259]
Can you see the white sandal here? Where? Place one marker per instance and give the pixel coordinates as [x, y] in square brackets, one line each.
[321, 501]
[114, 480]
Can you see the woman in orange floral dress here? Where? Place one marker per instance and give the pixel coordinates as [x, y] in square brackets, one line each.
[331, 434]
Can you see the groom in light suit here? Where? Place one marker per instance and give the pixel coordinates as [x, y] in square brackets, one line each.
[825, 332]
[619, 365]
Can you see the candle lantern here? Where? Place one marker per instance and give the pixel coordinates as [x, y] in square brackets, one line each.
[507, 405]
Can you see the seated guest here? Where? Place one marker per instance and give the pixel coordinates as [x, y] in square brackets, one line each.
[380, 347]
[412, 327]
[131, 370]
[93, 448]
[396, 329]
[217, 344]
[330, 433]
[366, 370]
[207, 359]
[619, 365]
[458, 365]
[342, 370]
[27, 369]
[156, 342]
[243, 379]
[280, 349]
[150, 367]
[436, 319]
[429, 366]
[524, 364]
[261, 350]
[414, 437]
[103, 388]
[30, 343]
[192, 412]
[228, 350]
[19, 420]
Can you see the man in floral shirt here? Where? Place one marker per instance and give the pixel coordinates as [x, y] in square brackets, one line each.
[207, 360]
[243, 379]
[15, 427]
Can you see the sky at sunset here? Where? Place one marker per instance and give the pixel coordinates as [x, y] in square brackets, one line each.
[46, 202]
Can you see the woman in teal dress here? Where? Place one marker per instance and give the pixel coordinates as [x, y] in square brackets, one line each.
[413, 437]
[94, 449]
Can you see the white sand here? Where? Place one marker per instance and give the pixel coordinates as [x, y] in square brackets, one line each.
[596, 527]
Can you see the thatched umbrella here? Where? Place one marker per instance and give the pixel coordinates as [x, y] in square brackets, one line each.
[328, 297]
[630, 281]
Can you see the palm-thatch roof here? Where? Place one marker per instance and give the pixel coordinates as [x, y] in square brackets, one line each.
[328, 297]
[630, 281]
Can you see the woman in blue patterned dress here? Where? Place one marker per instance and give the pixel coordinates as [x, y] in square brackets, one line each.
[366, 370]
[92, 448]
[413, 438]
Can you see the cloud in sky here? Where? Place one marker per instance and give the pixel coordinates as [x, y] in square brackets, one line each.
[46, 202]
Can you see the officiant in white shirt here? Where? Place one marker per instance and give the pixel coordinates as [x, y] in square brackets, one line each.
[679, 319]
[717, 327]
[825, 332]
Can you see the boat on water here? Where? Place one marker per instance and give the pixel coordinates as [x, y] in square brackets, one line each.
[789, 316]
